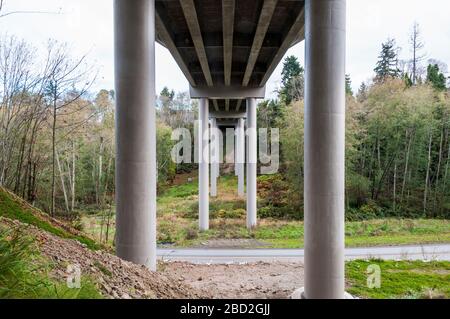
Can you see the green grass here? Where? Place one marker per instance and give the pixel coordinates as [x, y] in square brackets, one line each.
[377, 232]
[12, 209]
[181, 191]
[24, 272]
[178, 222]
[400, 279]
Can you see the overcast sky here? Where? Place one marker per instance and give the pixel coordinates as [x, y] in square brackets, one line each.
[87, 26]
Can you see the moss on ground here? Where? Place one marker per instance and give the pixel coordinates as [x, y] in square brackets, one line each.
[13, 209]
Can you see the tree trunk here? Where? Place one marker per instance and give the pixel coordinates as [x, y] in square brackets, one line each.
[383, 176]
[73, 176]
[444, 188]
[438, 170]
[63, 184]
[100, 170]
[408, 150]
[425, 193]
[394, 204]
[53, 207]
[378, 149]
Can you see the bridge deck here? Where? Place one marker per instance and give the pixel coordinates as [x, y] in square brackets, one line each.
[229, 42]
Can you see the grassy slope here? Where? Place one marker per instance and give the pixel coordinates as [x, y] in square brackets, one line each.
[177, 209]
[177, 222]
[366, 233]
[400, 279]
[24, 272]
[16, 209]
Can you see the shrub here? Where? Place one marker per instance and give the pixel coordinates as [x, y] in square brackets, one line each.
[191, 234]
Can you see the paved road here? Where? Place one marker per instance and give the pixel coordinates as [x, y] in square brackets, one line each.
[423, 252]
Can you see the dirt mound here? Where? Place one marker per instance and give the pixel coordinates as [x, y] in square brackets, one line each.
[115, 278]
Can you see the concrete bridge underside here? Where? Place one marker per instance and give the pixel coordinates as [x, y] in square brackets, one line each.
[227, 50]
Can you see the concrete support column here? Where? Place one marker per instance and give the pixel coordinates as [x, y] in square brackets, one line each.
[324, 148]
[214, 149]
[219, 149]
[240, 156]
[134, 48]
[236, 149]
[251, 163]
[203, 179]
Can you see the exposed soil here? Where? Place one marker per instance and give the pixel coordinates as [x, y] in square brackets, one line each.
[260, 280]
[116, 278]
[120, 279]
[184, 178]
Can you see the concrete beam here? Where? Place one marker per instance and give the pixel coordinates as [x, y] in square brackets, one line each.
[227, 115]
[238, 105]
[134, 51]
[190, 14]
[226, 92]
[324, 182]
[226, 122]
[165, 36]
[296, 31]
[261, 30]
[228, 7]
[227, 105]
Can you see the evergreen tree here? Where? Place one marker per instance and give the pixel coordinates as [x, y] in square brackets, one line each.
[435, 77]
[348, 85]
[387, 65]
[166, 97]
[292, 79]
[407, 79]
[291, 68]
[362, 92]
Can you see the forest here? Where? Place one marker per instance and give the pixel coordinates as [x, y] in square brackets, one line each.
[57, 135]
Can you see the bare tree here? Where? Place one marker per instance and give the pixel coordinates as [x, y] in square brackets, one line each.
[69, 80]
[16, 80]
[416, 46]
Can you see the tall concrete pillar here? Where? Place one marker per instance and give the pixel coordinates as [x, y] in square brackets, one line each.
[251, 163]
[219, 149]
[134, 37]
[240, 156]
[324, 148]
[214, 149]
[236, 149]
[203, 179]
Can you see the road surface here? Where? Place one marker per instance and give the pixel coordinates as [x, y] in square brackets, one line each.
[220, 256]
